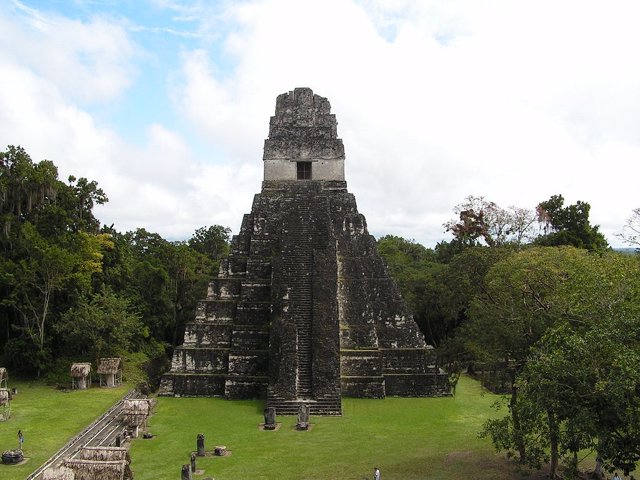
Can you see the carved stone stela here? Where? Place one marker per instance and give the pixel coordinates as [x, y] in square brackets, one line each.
[303, 309]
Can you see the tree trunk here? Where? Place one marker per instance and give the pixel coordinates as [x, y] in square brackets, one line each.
[597, 472]
[515, 418]
[48, 289]
[553, 444]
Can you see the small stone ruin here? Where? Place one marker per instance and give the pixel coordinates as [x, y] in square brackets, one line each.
[303, 310]
[200, 445]
[5, 404]
[4, 378]
[80, 376]
[270, 418]
[110, 372]
[103, 463]
[136, 412]
[185, 473]
[11, 457]
[304, 414]
[58, 473]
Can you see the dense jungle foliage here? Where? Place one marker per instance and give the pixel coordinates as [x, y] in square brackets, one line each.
[73, 290]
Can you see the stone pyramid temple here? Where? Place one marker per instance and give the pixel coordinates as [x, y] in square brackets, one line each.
[303, 309]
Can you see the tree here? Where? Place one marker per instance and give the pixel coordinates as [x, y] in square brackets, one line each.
[82, 196]
[573, 317]
[102, 325]
[631, 231]
[415, 270]
[38, 277]
[211, 241]
[460, 282]
[25, 188]
[586, 385]
[46, 269]
[520, 300]
[50, 250]
[189, 273]
[166, 279]
[480, 220]
[568, 225]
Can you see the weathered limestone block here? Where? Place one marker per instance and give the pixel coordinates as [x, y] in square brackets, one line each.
[207, 335]
[261, 247]
[218, 311]
[363, 387]
[192, 385]
[223, 289]
[186, 472]
[361, 363]
[253, 364]
[417, 385]
[246, 387]
[270, 418]
[234, 266]
[406, 361]
[200, 445]
[362, 336]
[250, 338]
[187, 359]
[258, 268]
[250, 313]
[256, 290]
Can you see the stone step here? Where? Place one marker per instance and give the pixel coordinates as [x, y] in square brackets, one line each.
[319, 408]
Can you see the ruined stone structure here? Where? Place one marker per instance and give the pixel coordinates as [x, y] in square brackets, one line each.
[303, 310]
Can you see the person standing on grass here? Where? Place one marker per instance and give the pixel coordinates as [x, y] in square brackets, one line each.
[376, 473]
[616, 476]
[20, 439]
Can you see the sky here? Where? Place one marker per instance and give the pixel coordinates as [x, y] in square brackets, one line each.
[166, 103]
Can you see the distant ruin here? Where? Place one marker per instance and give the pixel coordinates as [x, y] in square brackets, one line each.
[303, 310]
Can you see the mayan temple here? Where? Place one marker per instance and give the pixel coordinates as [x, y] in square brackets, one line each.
[303, 309]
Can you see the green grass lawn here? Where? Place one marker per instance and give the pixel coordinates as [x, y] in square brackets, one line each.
[48, 418]
[407, 438]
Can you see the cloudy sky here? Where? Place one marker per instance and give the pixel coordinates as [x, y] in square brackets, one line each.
[166, 103]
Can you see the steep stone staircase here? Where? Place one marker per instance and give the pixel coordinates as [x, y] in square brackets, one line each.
[301, 270]
[302, 239]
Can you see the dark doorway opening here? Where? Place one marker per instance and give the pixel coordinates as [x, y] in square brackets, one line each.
[304, 170]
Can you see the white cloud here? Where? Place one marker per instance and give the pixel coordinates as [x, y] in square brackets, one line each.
[515, 101]
[435, 100]
[90, 61]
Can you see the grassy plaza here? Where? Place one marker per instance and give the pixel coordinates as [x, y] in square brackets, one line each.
[48, 418]
[407, 438]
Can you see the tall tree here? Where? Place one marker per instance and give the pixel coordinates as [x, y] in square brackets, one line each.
[103, 325]
[415, 270]
[25, 188]
[573, 318]
[49, 256]
[520, 301]
[483, 222]
[631, 231]
[460, 283]
[568, 225]
[82, 196]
